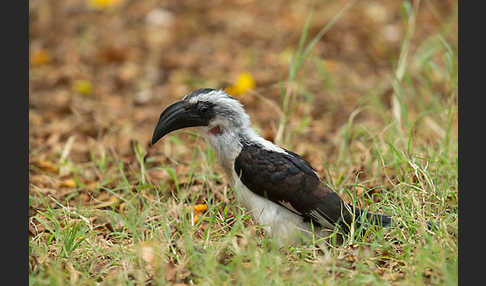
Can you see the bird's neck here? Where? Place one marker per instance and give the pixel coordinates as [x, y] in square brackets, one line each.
[229, 143]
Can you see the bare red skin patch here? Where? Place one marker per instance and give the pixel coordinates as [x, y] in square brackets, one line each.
[215, 130]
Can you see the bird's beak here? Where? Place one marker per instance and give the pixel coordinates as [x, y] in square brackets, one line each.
[174, 117]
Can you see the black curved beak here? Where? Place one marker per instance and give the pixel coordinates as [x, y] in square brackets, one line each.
[174, 117]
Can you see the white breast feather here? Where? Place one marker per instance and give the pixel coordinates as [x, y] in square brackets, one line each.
[277, 220]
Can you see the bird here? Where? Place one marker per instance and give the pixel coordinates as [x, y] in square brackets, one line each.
[280, 189]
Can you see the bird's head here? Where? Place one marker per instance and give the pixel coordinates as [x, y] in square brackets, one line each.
[214, 111]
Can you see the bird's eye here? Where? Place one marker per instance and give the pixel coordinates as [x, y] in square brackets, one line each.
[203, 107]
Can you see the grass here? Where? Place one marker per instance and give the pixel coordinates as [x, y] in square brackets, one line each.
[289, 94]
[134, 226]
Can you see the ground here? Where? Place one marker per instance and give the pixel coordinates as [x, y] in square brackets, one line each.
[364, 90]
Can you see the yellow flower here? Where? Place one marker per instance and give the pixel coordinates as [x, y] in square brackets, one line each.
[244, 83]
[103, 4]
[83, 86]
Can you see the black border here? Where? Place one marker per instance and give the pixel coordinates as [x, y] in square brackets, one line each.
[471, 120]
[14, 28]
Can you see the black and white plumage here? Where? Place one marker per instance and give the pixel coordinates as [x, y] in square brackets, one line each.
[279, 188]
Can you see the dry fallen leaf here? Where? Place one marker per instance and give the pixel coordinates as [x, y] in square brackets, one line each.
[200, 207]
[113, 200]
[39, 58]
[147, 253]
[69, 183]
[103, 4]
[360, 190]
[331, 65]
[392, 276]
[47, 166]
[170, 272]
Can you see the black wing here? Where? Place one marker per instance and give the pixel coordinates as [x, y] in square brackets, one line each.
[289, 180]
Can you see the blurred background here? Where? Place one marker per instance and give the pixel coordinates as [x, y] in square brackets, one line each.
[103, 70]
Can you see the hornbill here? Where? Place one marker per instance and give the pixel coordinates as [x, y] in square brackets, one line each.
[279, 188]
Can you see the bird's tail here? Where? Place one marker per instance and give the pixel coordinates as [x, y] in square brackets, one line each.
[367, 219]
[379, 219]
